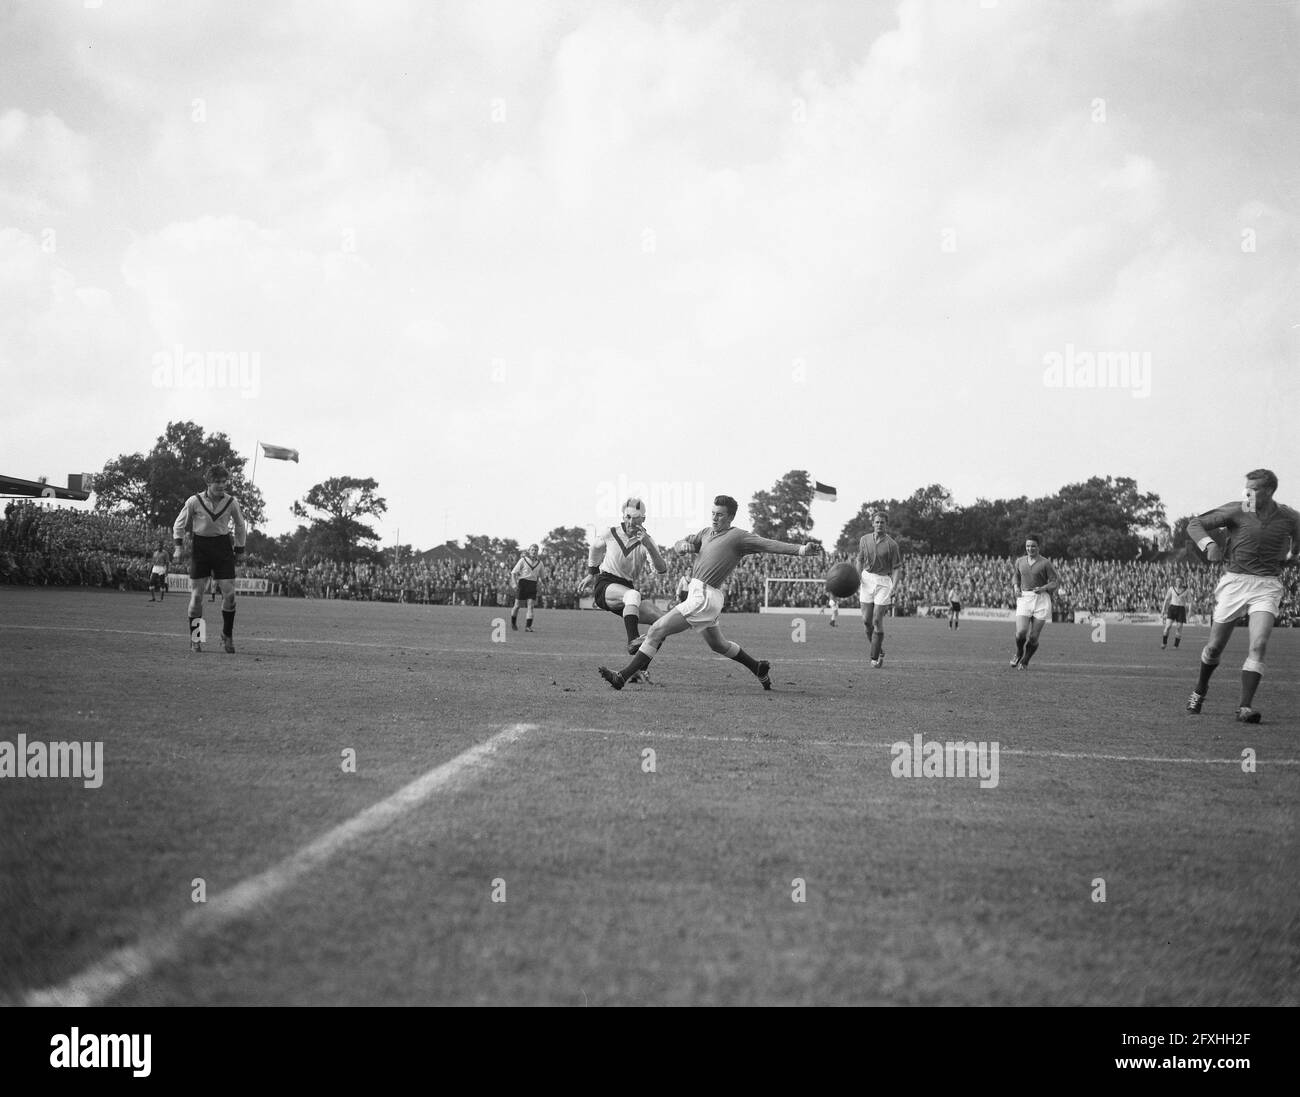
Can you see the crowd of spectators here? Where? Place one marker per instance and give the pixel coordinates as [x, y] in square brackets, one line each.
[47, 545]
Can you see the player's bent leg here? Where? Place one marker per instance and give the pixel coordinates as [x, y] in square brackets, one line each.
[1031, 645]
[668, 625]
[1252, 670]
[528, 615]
[878, 636]
[1219, 633]
[631, 615]
[759, 668]
[1022, 637]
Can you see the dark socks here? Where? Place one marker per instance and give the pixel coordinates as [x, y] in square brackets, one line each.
[1030, 648]
[1020, 646]
[630, 623]
[1203, 682]
[1249, 683]
[228, 619]
[746, 661]
[639, 662]
[877, 644]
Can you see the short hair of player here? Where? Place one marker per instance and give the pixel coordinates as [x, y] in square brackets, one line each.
[881, 514]
[728, 502]
[1035, 538]
[216, 474]
[1267, 475]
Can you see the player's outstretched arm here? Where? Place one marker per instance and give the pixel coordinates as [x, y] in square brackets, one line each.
[754, 544]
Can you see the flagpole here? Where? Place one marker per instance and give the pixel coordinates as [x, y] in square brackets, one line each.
[257, 448]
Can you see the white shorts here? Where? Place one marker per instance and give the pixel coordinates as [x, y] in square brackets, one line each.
[1037, 606]
[876, 590]
[703, 605]
[158, 569]
[1237, 594]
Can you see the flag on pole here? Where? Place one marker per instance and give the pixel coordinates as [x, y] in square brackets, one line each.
[280, 453]
[821, 491]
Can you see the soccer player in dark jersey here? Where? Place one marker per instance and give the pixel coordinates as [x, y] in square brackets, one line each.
[1036, 580]
[211, 515]
[721, 548]
[526, 573]
[880, 560]
[1263, 538]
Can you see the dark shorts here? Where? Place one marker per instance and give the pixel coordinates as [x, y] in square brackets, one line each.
[954, 607]
[1177, 614]
[603, 581]
[214, 556]
[156, 581]
[682, 595]
[527, 590]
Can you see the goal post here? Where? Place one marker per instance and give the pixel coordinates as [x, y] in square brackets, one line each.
[803, 596]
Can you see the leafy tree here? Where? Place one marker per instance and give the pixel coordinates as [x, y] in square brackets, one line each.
[1101, 519]
[154, 486]
[336, 529]
[565, 541]
[785, 512]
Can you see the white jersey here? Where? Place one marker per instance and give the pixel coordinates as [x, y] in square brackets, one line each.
[623, 556]
[1176, 597]
[526, 569]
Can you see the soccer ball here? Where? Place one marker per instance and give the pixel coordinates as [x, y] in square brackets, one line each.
[842, 580]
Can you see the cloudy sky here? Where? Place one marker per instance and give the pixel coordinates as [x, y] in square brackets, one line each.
[511, 258]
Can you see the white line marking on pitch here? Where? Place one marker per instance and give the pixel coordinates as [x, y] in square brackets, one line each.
[99, 982]
[858, 745]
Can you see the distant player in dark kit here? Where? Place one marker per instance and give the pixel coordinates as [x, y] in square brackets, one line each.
[527, 573]
[721, 548]
[1263, 538]
[1036, 580]
[158, 572]
[211, 515]
[880, 559]
[1174, 612]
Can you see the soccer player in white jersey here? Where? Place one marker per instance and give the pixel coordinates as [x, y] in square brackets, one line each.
[158, 572]
[1174, 612]
[614, 566]
[721, 548]
[211, 515]
[1263, 538]
[526, 573]
[1036, 579]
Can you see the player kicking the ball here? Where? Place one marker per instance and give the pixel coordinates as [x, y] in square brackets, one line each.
[210, 515]
[720, 548]
[1263, 538]
[622, 550]
[1035, 580]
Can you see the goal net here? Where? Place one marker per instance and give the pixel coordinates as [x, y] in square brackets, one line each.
[803, 596]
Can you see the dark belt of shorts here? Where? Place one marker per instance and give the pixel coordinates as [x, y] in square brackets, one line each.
[603, 580]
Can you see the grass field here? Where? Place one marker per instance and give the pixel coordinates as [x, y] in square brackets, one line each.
[623, 886]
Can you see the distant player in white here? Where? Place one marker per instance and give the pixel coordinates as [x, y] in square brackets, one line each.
[833, 604]
[1174, 612]
[1036, 579]
[880, 560]
[158, 572]
[526, 574]
[622, 551]
[954, 608]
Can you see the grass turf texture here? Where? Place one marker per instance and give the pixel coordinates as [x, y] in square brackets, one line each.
[627, 887]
